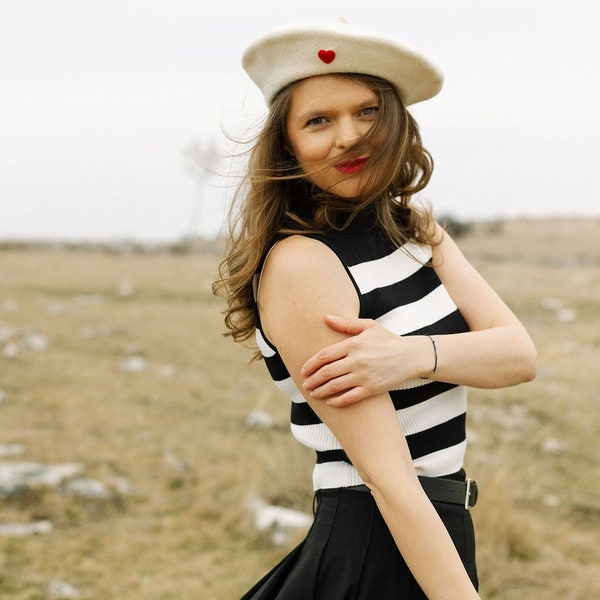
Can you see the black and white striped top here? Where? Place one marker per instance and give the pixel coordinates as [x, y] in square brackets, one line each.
[397, 288]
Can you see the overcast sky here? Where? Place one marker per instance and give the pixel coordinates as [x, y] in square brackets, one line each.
[99, 100]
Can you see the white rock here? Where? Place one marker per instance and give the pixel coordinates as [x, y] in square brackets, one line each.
[180, 465]
[36, 342]
[24, 529]
[259, 419]
[61, 590]
[280, 537]
[2, 396]
[125, 289]
[549, 303]
[551, 501]
[17, 474]
[553, 446]
[88, 488]
[133, 364]
[11, 350]
[566, 315]
[282, 521]
[167, 371]
[11, 449]
[53, 475]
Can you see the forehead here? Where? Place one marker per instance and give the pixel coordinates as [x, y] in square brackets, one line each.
[329, 91]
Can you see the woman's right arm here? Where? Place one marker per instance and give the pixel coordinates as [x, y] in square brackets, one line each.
[302, 281]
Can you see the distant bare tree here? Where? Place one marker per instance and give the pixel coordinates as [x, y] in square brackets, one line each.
[201, 158]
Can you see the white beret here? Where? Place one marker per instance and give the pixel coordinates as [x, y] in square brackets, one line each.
[310, 48]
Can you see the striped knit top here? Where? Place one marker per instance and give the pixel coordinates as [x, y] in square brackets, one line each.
[397, 288]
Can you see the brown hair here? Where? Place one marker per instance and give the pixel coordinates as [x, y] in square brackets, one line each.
[267, 203]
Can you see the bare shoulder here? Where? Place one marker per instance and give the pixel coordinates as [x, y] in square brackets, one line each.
[297, 251]
[445, 247]
[297, 261]
[303, 280]
[453, 268]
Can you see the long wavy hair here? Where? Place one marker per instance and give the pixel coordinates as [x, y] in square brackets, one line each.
[272, 199]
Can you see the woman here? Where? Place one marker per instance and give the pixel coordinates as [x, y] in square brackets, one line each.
[367, 316]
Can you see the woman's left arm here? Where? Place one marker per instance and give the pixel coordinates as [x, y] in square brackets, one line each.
[496, 352]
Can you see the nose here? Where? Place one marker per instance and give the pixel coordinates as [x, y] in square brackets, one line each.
[348, 133]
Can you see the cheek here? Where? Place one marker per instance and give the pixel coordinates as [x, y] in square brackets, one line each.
[311, 151]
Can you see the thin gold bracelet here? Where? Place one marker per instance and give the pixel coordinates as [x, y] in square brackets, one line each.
[435, 364]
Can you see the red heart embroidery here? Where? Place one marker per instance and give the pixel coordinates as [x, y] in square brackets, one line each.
[327, 56]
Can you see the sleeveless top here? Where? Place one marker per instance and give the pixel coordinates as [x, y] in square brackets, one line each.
[399, 289]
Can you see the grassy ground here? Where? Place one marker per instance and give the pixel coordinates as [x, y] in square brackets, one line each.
[176, 430]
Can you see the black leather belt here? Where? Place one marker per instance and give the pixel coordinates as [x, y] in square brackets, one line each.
[439, 489]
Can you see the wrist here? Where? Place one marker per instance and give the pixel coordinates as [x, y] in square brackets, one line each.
[431, 355]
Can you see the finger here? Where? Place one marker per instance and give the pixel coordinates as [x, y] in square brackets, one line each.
[323, 357]
[329, 380]
[352, 326]
[352, 396]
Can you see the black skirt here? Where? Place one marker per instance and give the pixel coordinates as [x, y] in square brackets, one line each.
[349, 554]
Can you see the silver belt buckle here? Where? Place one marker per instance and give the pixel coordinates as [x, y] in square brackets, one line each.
[468, 493]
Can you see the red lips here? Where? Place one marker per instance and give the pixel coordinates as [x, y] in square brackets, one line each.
[352, 166]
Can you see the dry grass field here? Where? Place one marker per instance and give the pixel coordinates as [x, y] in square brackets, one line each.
[172, 426]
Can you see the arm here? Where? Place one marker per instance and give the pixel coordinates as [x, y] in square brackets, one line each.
[497, 352]
[294, 295]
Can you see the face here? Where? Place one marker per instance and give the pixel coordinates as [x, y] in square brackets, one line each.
[328, 115]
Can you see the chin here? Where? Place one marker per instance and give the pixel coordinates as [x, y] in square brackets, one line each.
[347, 190]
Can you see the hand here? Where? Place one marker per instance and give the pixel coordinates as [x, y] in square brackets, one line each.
[372, 361]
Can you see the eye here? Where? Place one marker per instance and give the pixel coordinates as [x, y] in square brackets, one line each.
[316, 121]
[370, 111]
